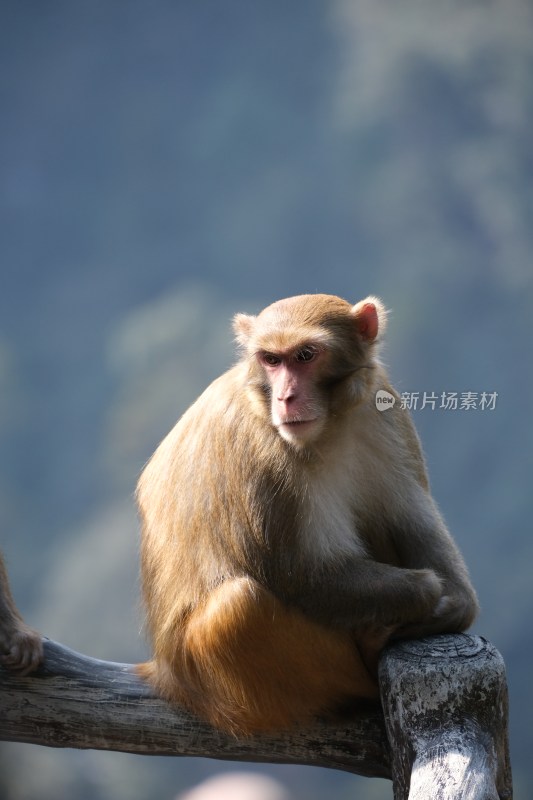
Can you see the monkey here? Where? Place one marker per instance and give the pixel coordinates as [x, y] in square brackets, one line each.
[288, 528]
[20, 646]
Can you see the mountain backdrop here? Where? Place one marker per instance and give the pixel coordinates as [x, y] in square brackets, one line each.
[165, 164]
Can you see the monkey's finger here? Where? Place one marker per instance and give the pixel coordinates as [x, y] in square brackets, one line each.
[31, 658]
[14, 657]
[36, 656]
[25, 661]
[18, 661]
[10, 660]
[24, 656]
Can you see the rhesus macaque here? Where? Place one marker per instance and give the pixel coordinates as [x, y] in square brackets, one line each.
[20, 646]
[288, 527]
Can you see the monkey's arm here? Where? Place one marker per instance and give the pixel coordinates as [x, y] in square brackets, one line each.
[423, 542]
[359, 592]
[427, 589]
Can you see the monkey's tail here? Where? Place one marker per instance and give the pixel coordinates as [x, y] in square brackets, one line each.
[162, 678]
[146, 671]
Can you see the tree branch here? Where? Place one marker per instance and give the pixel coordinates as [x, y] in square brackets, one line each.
[442, 733]
[77, 701]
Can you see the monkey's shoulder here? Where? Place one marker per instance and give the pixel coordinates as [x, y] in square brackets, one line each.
[387, 436]
[214, 437]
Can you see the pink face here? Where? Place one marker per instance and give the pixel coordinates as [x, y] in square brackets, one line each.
[296, 409]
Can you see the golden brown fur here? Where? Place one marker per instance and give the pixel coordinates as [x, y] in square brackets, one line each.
[249, 663]
[288, 528]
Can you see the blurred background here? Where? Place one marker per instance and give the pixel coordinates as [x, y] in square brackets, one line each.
[167, 164]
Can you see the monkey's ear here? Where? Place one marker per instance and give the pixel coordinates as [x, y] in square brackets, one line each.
[370, 317]
[243, 325]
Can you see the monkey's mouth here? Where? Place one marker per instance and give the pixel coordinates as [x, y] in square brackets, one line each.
[298, 425]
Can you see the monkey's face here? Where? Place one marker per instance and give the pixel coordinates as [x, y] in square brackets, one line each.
[297, 406]
[304, 359]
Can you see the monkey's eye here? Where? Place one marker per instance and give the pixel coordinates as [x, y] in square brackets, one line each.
[271, 359]
[305, 354]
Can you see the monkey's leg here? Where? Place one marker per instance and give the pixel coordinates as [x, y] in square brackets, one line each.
[248, 663]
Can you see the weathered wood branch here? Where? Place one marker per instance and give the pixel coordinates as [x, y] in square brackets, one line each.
[77, 701]
[446, 711]
[442, 733]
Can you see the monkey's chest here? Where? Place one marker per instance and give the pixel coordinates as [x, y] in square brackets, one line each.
[346, 508]
[328, 518]
[328, 533]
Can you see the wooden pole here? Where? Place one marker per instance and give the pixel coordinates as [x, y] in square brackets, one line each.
[445, 707]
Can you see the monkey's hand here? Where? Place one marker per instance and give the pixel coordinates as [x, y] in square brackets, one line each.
[429, 594]
[454, 613]
[21, 647]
